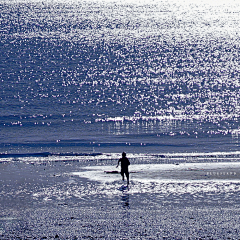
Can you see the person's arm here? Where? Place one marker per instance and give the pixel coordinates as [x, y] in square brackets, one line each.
[118, 162]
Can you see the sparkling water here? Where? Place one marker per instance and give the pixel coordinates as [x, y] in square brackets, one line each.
[106, 77]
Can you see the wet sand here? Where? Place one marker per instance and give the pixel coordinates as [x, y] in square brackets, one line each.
[72, 200]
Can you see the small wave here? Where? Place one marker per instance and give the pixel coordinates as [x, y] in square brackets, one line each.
[169, 117]
[200, 154]
[45, 154]
[21, 155]
[135, 158]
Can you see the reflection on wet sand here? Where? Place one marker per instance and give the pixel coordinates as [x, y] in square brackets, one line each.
[125, 200]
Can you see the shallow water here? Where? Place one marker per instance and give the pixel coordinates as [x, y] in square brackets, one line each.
[83, 183]
[72, 199]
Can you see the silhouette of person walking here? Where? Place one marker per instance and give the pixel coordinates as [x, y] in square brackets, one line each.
[124, 166]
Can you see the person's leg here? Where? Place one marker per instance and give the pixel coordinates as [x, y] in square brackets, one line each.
[122, 173]
[127, 175]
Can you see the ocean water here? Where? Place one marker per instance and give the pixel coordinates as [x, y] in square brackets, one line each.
[147, 77]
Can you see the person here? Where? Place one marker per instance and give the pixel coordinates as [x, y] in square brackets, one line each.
[124, 166]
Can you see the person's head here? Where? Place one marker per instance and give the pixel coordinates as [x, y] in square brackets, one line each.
[124, 154]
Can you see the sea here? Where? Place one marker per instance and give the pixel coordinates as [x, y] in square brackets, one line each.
[156, 79]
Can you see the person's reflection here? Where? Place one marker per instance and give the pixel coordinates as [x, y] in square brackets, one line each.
[125, 200]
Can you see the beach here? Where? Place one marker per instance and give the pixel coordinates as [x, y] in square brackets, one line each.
[78, 200]
[83, 81]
